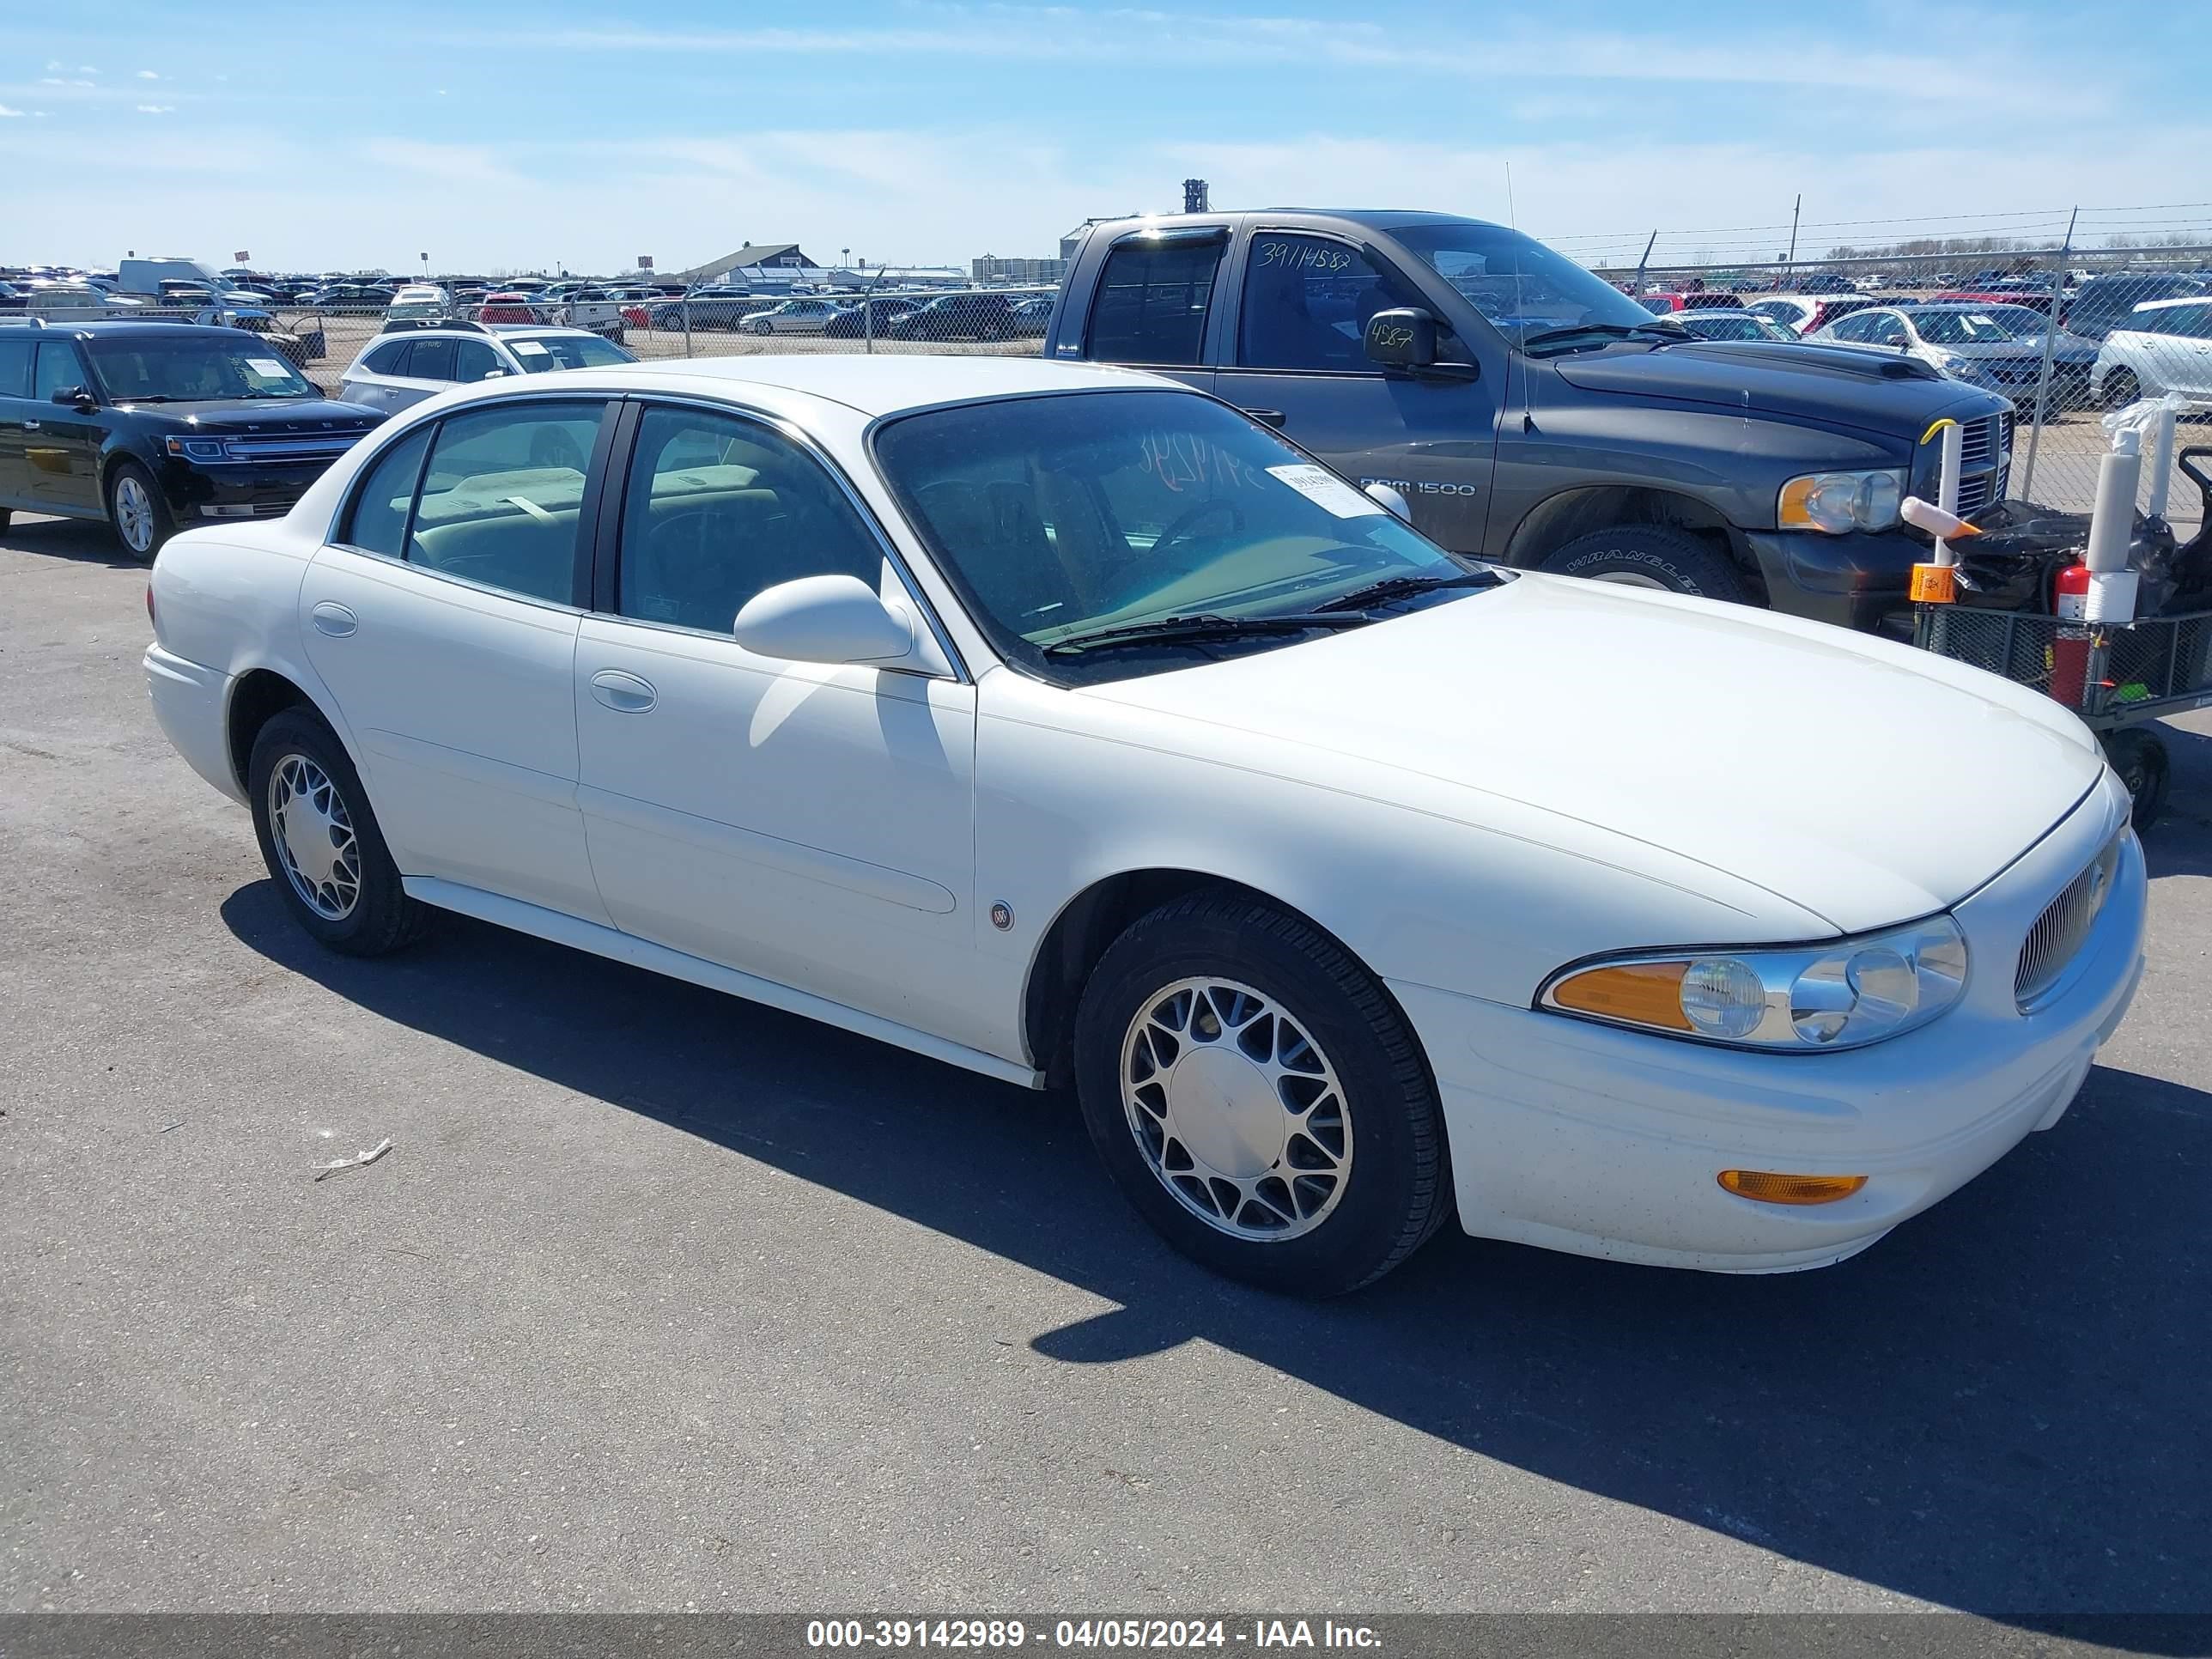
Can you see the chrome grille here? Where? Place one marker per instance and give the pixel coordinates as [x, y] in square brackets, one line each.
[1985, 457]
[2060, 931]
[315, 448]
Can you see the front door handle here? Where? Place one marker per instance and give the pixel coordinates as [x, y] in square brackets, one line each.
[1266, 417]
[334, 619]
[625, 694]
[30, 426]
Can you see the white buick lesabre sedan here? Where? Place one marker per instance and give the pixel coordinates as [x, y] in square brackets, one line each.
[1062, 723]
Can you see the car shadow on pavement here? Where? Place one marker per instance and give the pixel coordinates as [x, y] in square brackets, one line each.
[2002, 1407]
[80, 539]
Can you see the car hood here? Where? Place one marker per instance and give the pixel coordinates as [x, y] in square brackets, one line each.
[1861, 780]
[1823, 385]
[267, 414]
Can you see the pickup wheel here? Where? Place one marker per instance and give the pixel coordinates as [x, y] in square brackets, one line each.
[1259, 1097]
[1654, 556]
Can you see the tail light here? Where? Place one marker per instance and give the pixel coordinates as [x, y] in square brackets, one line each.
[154, 621]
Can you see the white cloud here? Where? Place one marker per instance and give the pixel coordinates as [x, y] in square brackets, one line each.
[453, 163]
[5, 112]
[53, 65]
[86, 69]
[148, 74]
[157, 109]
[56, 81]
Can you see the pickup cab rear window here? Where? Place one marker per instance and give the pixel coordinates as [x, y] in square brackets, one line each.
[1151, 303]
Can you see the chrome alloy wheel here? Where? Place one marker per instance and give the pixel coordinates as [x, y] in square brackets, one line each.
[1236, 1110]
[314, 838]
[134, 515]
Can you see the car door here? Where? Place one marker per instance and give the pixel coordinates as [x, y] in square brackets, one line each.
[1300, 363]
[16, 409]
[443, 618]
[810, 825]
[2183, 349]
[375, 380]
[61, 442]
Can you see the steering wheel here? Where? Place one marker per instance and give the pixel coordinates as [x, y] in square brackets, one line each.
[1191, 517]
[551, 446]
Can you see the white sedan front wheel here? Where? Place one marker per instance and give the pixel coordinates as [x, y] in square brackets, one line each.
[1257, 1095]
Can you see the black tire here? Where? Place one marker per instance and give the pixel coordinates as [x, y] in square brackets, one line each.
[382, 917]
[2121, 388]
[1398, 1190]
[2140, 757]
[1647, 553]
[158, 526]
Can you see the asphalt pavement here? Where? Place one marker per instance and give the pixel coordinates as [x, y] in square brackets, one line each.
[661, 1300]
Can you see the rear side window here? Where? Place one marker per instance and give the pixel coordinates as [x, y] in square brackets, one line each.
[1152, 301]
[431, 360]
[502, 496]
[1307, 301]
[387, 358]
[15, 368]
[378, 522]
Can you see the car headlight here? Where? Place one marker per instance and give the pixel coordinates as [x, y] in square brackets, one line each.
[1839, 502]
[196, 449]
[1803, 998]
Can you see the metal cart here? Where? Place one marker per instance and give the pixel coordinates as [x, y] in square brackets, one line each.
[2138, 671]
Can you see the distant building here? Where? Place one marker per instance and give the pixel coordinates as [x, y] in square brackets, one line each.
[990, 268]
[783, 261]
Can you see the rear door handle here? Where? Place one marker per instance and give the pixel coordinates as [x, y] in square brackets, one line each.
[625, 694]
[334, 619]
[1266, 417]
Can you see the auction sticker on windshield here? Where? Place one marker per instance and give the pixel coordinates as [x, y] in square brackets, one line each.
[527, 347]
[268, 367]
[1323, 487]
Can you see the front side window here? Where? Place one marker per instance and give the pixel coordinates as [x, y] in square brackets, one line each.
[60, 369]
[1059, 516]
[1961, 327]
[180, 369]
[1885, 328]
[1522, 286]
[502, 495]
[1151, 302]
[716, 509]
[473, 359]
[1307, 301]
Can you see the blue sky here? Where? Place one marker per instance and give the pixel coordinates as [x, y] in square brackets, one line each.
[517, 136]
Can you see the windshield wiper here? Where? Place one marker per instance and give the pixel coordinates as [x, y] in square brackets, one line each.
[1207, 626]
[1400, 587]
[1607, 331]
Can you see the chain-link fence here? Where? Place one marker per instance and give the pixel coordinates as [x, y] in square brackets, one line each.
[2129, 326]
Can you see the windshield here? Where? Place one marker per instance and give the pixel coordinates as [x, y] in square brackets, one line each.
[1986, 327]
[1733, 328]
[1519, 284]
[175, 370]
[542, 352]
[1058, 516]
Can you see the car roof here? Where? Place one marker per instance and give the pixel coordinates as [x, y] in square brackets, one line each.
[135, 331]
[2168, 305]
[873, 384]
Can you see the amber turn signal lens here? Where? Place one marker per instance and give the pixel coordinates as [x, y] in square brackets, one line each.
[1770, 1189]
[1645, 993]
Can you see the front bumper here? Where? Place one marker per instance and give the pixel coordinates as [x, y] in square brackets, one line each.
[235, 489]
[1861, 580]
[1603, 1142]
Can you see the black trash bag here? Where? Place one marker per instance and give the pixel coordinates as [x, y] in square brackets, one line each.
[2013, 564]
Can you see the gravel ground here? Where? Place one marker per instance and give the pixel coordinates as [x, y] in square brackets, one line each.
[662, 1300]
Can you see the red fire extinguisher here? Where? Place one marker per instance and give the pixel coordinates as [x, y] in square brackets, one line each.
[2069, 647]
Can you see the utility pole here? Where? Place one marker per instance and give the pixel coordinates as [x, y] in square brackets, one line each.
[1794, 212]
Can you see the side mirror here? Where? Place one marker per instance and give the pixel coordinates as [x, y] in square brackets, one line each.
[1393, 499]
[492, 374]
[75, 397]
[832, 619]
[1403, 338]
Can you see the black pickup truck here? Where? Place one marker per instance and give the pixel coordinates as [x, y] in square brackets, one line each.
[1531, 412]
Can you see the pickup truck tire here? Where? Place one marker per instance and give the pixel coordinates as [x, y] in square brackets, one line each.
[1650, 556]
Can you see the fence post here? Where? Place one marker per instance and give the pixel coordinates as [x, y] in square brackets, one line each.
[687, 323]
[2043, 378]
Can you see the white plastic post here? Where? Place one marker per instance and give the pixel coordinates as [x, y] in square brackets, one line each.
[1947, 489]
[2112, 521]
[2162, 460]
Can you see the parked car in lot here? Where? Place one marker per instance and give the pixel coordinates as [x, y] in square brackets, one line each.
[154, 426]
[417, 301]
[977, 314]
[707, 308]
[1061, 722]
[1664, 303]
[2166, 346]
[1803, 313]
[2106, 302]
[804, 316]
[347, 296]
[1721, 324]
[405, 365]
[874, 315]
[1997, 346]
[1531, 412]
[77, 302]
